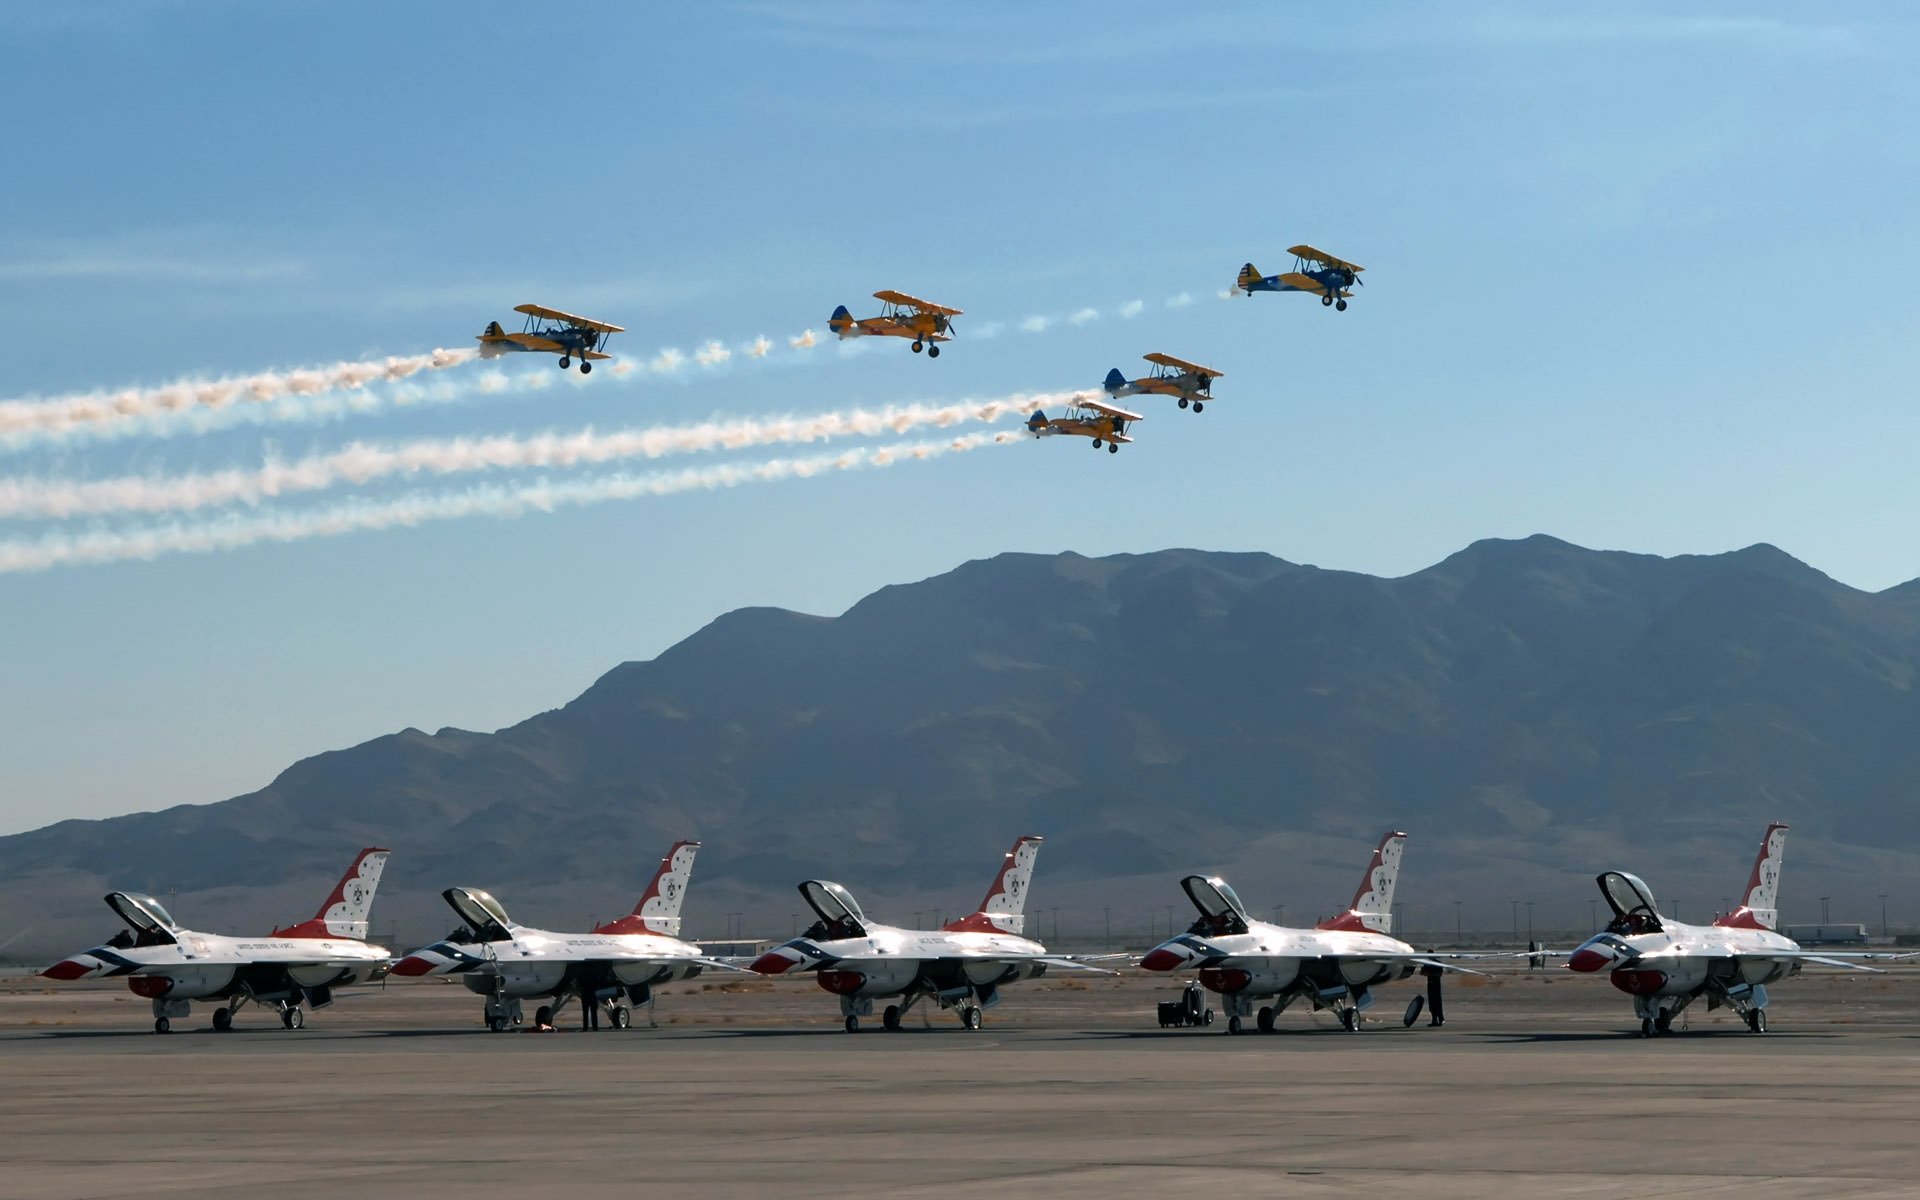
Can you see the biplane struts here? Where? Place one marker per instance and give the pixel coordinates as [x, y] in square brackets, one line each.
[1105, 424]
[1189, 383]
[903, 316]
[1314, 271]
[550, 331]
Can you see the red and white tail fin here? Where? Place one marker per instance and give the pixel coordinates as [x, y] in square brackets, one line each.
[659, 907]
[1005, 908]
[1372, 907]
[1760, 909]
[344, 913]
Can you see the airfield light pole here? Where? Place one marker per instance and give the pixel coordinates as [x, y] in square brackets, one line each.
[916, 919]
[1056, 923]
[1169, 920]
[1529, 924]
[1106, 918]
[1823, 909]
[793, 919]
[1883, 914]
[1516, 921]
[1593, 914]
[1459, 933]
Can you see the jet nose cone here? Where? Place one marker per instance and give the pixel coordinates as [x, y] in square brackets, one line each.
[1591, 958]
[1160, 958]
[414, 965]
[774, 962]
[68, 969]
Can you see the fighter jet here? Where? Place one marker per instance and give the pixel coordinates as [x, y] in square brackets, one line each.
[1334, 965]
[285, 970]
[962, 965]
[617, 965]
[1666, 965]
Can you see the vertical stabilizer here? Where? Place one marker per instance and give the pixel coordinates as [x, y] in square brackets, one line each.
[1005, 908]
[1760, 908]
[1249, 276]
[1372, 907]
[344, 912]
[659, 907]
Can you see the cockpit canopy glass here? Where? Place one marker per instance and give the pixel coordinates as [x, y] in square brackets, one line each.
[144, 913]
[840, 915]
[1632, 902]
[482, 913]
[1221, 912]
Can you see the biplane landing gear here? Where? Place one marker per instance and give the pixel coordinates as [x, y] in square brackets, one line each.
[1183, 402]
[1340, 306]
[565, 362]
[933, 352]
[916, 347]
[1326, 301]
[1096, 443]
[1198, 406]
[586, 368]
[1113, 447]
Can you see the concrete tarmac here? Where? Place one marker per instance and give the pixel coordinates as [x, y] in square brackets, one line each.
[1534, 1088]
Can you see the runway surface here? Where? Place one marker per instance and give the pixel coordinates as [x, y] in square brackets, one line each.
[1534, 1088]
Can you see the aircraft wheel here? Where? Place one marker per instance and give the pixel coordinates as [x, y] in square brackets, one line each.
[852, 1024]
[891, 1017]
[1198, 406]
[1326, 301]
[565, 362]
[162, 1025]
[621, 1017]
[1233, 1025]
[1183, 402]
[1350, 1020]
[1340, 306]
[1646, 1027]
[1757, 1020]
[970, 1016]
[293, 1018]
[498, 1024]
[916, 347]
[222, 1020]
[1096, 443]
[543, 1015]
[1663, 1023]
[1264, 1019]
[1206, 1018]
[1113, 448]
[586, 368]
[933, 352]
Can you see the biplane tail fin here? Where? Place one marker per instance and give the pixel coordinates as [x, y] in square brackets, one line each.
[841, 321]
[1036, 422]
[1115, 381]
[1249, 275]
[494, 330]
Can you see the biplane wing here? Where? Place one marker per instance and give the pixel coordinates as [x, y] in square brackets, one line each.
[1323, 258]
[554, 314]
[533, 341]
[906, 301]
[1110, 410]
[1168, 360]
[1301, 282]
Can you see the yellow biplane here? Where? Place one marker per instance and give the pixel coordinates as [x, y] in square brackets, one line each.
[1170, 376]
[925, 322]
[550, 331]
[1316, 271]
[1087, 418]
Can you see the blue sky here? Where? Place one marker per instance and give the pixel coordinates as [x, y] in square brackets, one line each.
[1640, 277]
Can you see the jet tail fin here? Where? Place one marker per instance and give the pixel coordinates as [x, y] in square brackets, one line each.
[1005, 908]
[1372, 907]
[1760, 907]
[659, 907]
[344, 912]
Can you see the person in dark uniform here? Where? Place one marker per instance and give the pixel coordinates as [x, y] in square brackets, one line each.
[1436, 1010]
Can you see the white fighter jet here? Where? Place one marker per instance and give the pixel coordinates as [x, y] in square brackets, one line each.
[285, 970]
[962, 965]
[618, 964]
[1334, 965]
[1666, 965]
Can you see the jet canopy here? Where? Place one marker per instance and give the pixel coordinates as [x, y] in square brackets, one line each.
[840, 915]
[481, 912]
[152, 924]
[1632, 902]
[1221, 912]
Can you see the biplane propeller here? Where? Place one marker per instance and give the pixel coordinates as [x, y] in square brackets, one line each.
[1087, 418]
[1314, 271]
[550, 331]
[1188, 382]
[903, 316]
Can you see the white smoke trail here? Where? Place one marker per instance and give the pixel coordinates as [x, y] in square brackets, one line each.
[83, 410]
[1180, 301]
[1132, 309]
[240, 530]
[1083, 316]
[361, 463]
[1035, 324]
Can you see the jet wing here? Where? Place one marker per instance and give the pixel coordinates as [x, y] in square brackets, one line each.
[928, 306]
[554, 314]
[1323, 258]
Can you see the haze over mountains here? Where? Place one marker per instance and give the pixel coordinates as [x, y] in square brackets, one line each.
[1530, 710]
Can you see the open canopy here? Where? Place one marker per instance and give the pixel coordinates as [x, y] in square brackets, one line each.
[1220, 909]
[144, 913]
[482, 913]
[1631, 900]
[839, 911]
